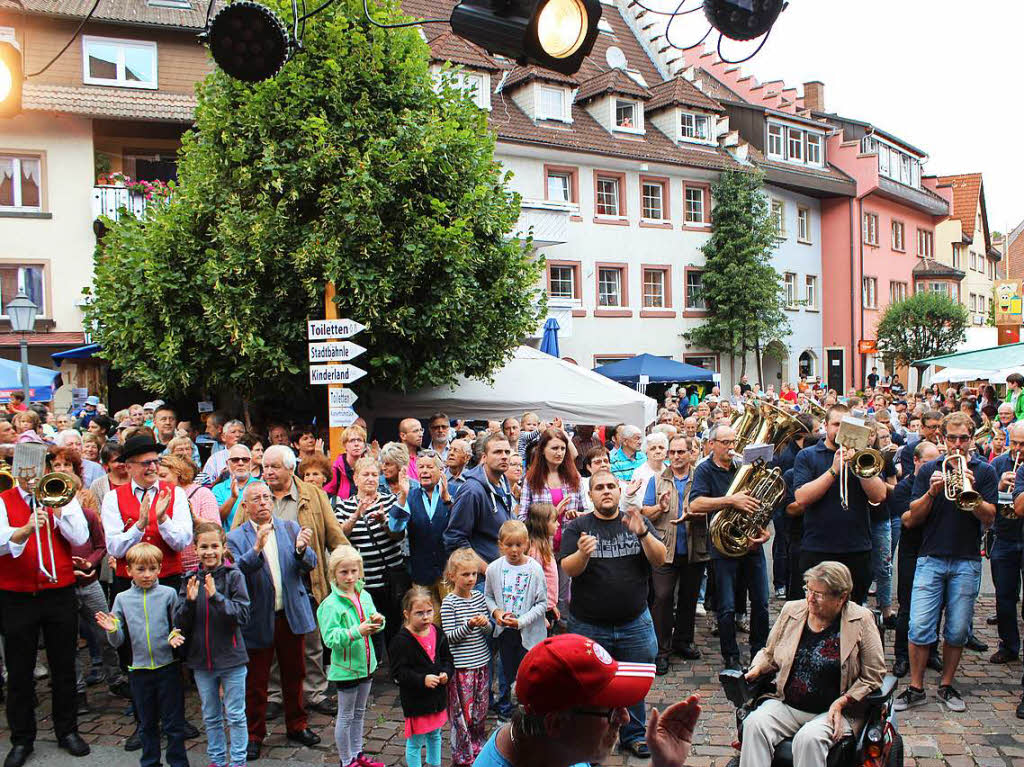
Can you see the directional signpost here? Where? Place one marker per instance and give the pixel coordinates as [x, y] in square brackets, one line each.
[329, 355]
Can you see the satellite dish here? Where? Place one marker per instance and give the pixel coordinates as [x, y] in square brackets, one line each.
[615, 57]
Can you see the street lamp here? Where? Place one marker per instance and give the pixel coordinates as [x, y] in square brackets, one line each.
[22, 313]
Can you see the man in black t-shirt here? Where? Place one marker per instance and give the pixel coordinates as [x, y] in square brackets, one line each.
[1007, 552]
[873, 378]
[609, 555]
[948, 565]
[831, 532]
[709, 495]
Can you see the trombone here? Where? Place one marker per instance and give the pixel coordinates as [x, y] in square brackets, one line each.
[52, 491]
[865, 462]
[958, 488]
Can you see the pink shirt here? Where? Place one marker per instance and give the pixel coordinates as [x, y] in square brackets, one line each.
[420, 725]
[550, 577]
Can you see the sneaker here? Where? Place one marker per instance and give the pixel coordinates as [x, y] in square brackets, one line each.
[41, 671]
[1002, 655]
[362, 760]
[95, 676]
[910, 698]
[780, 592]
[700, 610]
[743, 624]
[952, 699]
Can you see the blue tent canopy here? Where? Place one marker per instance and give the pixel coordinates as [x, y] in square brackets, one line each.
[40, 380]
[78, 353]
[657, 370]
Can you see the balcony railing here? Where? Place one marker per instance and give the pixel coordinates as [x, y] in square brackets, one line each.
[548, 220]
[110, 200]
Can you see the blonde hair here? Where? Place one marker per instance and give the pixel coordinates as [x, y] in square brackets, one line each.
[835, 575]
[461, 558]
[182, 467]
[144, 554]
[537, 519]
[366, 462]
[395, 453]
[414, 595]
[343, 555]
[512, 528]
[355, 430]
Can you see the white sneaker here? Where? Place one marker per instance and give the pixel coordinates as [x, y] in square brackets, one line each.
[41, 672]
[700, 609]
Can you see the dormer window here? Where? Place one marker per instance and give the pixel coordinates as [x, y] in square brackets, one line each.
[625, 114]
[695, 127]
[800, 146]
[476, 85]
[892, 162]
[553, 103]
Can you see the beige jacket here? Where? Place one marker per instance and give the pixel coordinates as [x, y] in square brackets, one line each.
[862, 659]
[315, 512]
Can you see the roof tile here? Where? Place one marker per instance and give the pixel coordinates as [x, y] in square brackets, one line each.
[110, 102]
[612, 81]
[128, 11]
[680, 91]
[966, 196]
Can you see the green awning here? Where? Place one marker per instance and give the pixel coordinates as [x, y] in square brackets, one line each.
[994, 358]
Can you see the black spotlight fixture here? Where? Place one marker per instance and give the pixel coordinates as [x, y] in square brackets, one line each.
[553, 34]
[12, 76]
[743, 19]
[248, 41]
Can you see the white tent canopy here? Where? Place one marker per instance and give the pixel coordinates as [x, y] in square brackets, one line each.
[531, 380]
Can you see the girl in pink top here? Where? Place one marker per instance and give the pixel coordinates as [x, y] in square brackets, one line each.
[541, 525]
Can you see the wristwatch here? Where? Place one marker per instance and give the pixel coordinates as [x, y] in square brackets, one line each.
[833, 472]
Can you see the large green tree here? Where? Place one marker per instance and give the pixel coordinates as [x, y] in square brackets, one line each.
[924, 325]
[348, 166]
[742, 290]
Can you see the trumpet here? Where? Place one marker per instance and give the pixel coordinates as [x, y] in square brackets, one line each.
[865, 462]
[958, 487]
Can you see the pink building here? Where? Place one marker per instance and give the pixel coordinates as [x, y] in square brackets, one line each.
[877, 246]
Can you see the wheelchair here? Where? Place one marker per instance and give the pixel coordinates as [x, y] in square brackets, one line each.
[878, 744]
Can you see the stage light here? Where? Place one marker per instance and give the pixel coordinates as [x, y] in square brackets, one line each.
[11, 78]
[553, 34]
[248, 41]
[743, 19]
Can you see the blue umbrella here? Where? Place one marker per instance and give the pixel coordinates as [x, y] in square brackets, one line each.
[549, 341]
[40, 380]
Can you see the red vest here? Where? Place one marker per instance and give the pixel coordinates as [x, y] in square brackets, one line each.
[129, 506]
[23, 573]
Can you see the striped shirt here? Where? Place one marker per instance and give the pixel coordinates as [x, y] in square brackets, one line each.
[468, 645]
[371, 538]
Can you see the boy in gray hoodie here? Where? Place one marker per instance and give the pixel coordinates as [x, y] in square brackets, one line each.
[146, 613]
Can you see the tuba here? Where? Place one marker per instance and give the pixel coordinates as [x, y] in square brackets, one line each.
[957, 486]
[731, 528]
[815, 409]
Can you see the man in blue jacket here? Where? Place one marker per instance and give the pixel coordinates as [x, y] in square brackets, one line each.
[483, 504]
[275, 557]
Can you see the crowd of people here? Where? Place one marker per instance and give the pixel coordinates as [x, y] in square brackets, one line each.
[480, 564]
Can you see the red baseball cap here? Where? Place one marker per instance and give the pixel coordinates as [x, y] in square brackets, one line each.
[570, 670]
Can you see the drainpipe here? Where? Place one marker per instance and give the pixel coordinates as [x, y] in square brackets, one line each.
[860, 239]
[854, 237]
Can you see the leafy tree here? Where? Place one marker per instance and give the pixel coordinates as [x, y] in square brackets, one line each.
[348, 166]
[742, 291]
[924, 325]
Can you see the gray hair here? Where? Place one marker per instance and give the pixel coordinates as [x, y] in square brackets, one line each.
[657, 438]
[431, 455]
[395, 453]
[835, 575]
[282, 452]
[235, 422]
[713, 431]
[629, 431]
[62, 437]
[1008, 407]
[664, 428]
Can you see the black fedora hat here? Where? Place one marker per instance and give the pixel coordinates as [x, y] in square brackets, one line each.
[138, 445]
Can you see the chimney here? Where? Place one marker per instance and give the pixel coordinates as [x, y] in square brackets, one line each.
[814, 96]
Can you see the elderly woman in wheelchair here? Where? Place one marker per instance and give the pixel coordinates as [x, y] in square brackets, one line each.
[827, 657]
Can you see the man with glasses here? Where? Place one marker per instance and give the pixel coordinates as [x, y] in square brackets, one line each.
[948, 565]
[440, 434]
[228, 492]
[709, 494]
[217, 463]
[927, 431]
[833, 532]
[686, 555]
[573, 700]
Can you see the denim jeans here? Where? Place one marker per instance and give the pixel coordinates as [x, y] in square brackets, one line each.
[895, 527]
[727, 571]
[232, 680]
[1007, 562]
[881, 561]
[630, 642]
[780, 550]
[945, 581]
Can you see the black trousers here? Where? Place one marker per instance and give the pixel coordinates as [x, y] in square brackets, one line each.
[859, 563]
[907, 564]
[674, 606]
[160, 706]
[54, 613]
[795, 584]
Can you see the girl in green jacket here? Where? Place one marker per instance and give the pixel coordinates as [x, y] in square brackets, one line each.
[347, 618]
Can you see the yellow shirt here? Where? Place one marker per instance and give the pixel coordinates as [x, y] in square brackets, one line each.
[270, 554]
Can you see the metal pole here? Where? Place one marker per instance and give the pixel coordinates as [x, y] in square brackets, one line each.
[24, 369]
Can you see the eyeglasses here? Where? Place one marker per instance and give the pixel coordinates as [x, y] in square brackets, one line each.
[606, 714]
[813, 594]
[242, 459]
[726, 442]
[957, 438]
[149, 462]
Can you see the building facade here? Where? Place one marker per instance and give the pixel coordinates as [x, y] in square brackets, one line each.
[116, 102]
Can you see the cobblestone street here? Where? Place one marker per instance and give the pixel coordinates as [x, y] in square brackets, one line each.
[987, 734]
